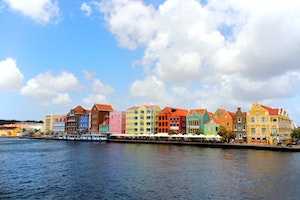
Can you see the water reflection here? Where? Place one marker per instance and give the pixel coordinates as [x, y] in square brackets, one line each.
[74, 170]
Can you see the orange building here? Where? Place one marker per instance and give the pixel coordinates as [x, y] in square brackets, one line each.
[172, 119]
[225, 118]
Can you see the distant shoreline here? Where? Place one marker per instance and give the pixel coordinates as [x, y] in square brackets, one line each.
[292, 148]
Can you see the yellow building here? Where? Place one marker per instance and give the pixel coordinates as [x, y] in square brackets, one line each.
[9, 131]
[142, 120]
[267, 125]
[49, 121]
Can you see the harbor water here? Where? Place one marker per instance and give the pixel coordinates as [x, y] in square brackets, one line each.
[50, 169]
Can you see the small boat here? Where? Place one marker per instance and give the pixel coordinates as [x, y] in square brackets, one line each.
[93, 137]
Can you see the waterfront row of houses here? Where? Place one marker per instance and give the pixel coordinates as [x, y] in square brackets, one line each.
[260, 124]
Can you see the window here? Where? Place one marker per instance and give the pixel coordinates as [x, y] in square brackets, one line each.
[263, 119]
[263, 130]
[244, 128]
[234, 128]
[252, 119]
[239, 120]
[252, 130]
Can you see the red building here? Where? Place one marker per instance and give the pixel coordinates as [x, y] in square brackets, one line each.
[73, 117]
[99, 116]
[172, 119]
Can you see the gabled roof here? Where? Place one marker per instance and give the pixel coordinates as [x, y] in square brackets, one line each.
[174, 111]
[133, 108]
[78, 110]
[223, 111]
[180, 112]
[272, 111]
[198, 111]
[216, 120]
[104, 107]
[232, 114]
[61, 119]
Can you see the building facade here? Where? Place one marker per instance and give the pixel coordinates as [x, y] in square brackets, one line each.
[9, 131]
[195, 121]
[49, 121]
[73, 117]
[239, 121]
[172, 119]
[83, 123]
[225, 118]
[268, 125]
[211, 127]
[99, 116]
[142, 120]
[117, 122]
[59, 125]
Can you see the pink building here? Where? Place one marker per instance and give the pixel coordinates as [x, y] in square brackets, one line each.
[117, 122]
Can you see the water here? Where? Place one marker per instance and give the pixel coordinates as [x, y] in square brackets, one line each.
[42, 169]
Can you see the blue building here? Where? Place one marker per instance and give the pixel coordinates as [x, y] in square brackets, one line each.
[83, 124]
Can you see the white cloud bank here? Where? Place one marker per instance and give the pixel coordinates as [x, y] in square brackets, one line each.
[97, 91]
[11, 78]
[41, 11]
[226, 53]
[47, 89]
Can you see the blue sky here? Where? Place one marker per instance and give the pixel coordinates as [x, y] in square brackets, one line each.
[189, 54]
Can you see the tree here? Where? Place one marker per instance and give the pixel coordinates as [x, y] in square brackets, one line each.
[222, 131]
[171, 132]
[226, 134]
[295, 134]
[198, 132]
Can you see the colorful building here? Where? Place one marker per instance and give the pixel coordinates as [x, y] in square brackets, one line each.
[172, 119]
[99, 116]
[117, 122]
[73, 118]
[9, 131]
[239, 121]
[59, 125]
[212, 127]
[49, 121]
[83, 123]
[142, 119]
[224, 118]
[268, 125]
[195, 121]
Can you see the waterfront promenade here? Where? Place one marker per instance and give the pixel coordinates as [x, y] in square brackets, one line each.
[290, 148]
[283, 147]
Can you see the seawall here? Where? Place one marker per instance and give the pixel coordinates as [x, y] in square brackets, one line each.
[292, 148]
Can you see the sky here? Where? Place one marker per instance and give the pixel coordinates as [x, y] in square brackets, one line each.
[190, 54]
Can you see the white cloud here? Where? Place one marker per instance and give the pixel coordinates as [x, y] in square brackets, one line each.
[151, 91]
[131, 22]
[97, 91]
[41, 11]
[224, 53]
[10, 76]
[48, 89]
[86, 8]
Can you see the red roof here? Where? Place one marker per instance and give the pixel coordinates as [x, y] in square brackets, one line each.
[104, 107]
[133, 108]
[198, 111]
[78, 110]
[272, 111]
[62, 119]
[180, 112]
